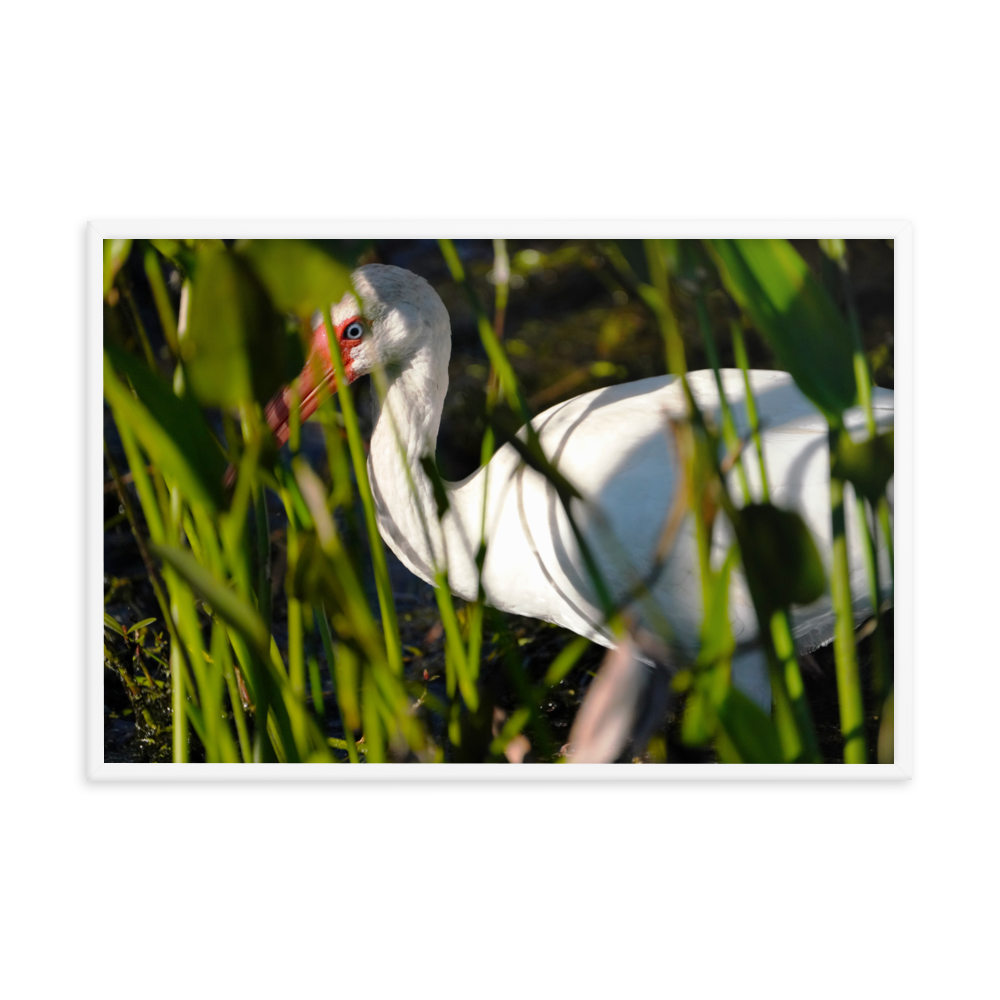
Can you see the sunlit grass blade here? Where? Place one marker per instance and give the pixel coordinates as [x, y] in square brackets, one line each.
[383, 585]
[224, 601]
[740, 352]
[115, 254]
[712, 670]
[565, 660]
[315, 685]
[235, 700]
[797, 733]
[657, 297]
[729, 434]
[374, 734]
[202, 694]
[179, 734]
[350, 746]
[296, 665]
[510, 730]
[852, 719]
[216, 724]
[453, 641]
[773, 285]
[161, 298]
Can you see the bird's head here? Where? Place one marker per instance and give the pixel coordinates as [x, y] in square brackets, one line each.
[392, 321]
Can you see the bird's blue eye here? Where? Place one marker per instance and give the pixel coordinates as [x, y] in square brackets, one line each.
[353, 331]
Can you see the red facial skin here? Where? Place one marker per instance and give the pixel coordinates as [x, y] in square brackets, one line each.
[318, 371]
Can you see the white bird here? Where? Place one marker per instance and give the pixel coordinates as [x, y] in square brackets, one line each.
[611, 444]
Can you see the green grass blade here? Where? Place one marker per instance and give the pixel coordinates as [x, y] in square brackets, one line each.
[657, 297]
[740, 351]
[224, 601]
[453, 642]
[749, 729]
[383, 585]
[233, 347]
[773, 285]
[797, 733]
[172, 431]
[161, 298]
[179, 733]
[852, 718]
[115, 254]
[729, 434]
[300, 276]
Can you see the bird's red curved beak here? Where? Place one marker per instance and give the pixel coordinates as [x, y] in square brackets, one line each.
[317, 375]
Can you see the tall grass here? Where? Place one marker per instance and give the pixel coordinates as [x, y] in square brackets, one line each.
[240, 690]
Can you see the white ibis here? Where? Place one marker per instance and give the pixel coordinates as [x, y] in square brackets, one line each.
[611, 444]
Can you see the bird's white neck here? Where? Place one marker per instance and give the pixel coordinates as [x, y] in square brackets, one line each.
[406, 430]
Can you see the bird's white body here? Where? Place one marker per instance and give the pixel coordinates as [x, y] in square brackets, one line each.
[613, 446]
